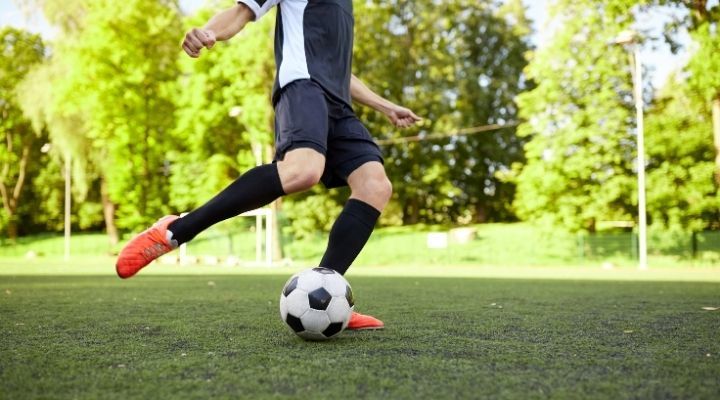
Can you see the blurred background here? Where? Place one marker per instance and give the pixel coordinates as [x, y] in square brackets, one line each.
[543, 120]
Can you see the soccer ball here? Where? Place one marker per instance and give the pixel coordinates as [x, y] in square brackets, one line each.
[316, 303]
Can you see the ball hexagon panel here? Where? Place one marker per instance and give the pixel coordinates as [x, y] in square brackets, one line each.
[297, 303]
[310, 280]
[335, 284]
[283, 306]
[315, 321]
[338, 310]
[319, 299]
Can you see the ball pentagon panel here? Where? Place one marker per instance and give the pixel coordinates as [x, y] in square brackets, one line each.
[324, 270]
[290, 285]
[319, 299]
[333, 329]
[295, 323]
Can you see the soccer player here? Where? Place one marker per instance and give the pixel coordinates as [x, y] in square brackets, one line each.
[318, 138]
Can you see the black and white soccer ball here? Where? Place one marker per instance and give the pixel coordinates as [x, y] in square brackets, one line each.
[316, 303]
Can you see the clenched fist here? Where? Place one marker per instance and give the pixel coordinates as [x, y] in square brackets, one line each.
[196, 39]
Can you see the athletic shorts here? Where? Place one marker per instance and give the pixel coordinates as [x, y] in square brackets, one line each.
[306, 118]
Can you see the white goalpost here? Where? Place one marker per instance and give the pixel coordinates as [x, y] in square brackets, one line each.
[263, 239]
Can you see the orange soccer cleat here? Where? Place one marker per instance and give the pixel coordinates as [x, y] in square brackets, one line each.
[362, 322]
[145, 247]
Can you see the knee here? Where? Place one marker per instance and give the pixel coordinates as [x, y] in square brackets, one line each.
[306, 179]
[301, 169]
[376, 190]
[298, 178]
[383, 188]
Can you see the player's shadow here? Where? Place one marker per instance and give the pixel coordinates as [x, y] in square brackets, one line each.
[343, 339]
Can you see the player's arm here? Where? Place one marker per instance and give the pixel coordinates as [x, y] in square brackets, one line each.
[222, 26]
[399, 116]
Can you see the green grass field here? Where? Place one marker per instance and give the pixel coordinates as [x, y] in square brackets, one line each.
[184, 336]
[497, 244]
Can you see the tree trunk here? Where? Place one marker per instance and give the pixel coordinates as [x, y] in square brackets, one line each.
[10, 200]
[716, 134]
[405, 213]
[277, 254]
[109, 215]
[481, 214]
[411, 211]
[12, 229]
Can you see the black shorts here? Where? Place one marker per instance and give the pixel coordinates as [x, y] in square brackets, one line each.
[306, 117]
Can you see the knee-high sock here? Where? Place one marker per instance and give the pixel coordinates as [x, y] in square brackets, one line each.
[349, 234]
[256, 188]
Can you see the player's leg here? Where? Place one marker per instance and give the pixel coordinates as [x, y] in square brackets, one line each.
[370, 193]
[301, 119]
[354, 159]
[300, 169]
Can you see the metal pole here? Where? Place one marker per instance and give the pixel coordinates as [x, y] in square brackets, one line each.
[68, 175]
[642, 214]
[268, 236]
[183, 255]
[257, 153]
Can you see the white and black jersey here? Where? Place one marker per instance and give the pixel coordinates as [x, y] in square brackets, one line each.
[313, 40]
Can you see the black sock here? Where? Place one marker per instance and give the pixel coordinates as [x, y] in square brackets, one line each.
[254, 189]
[349, 234]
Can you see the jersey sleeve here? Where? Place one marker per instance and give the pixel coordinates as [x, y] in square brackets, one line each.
[259, 7]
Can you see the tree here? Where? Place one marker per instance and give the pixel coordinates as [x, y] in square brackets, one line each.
[581, 151]
[67, 141]
[20, 51]
[224, 115]
[681, 194]
[223, 110]
[112, 75]
[702, 20]
[458, 64]
[705, 64]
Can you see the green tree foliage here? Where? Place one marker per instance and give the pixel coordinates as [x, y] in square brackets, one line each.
[681, 195]
[20, 155]
[702, 19]
[129, 51]
[67, 140]
[113, 76]
[580, 161]
[223, 110]
[458, 64]
[705, 64]
[579, 117]
[151, 130]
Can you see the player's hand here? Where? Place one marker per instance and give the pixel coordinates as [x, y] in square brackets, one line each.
[196, 39]
[402, 117]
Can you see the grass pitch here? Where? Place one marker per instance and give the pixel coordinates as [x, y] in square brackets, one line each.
[221, 337]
